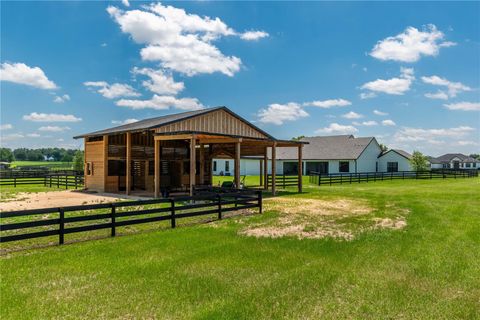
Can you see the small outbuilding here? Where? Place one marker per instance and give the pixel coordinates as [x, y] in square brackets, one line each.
[174, 153]
[394, 160]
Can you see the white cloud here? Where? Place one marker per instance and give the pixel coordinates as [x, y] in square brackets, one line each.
[11, 136]
[464, 106]
[468, 143]
[430, 135]
[453, 88]
[23, 74]
[394, 86]
[6, 126]
[388, 122]
[279, 113]
[335, 128]
[352, 115]
[51, 117]
[112, 91]
[159, 83]
[33, 135]
[253, 35]
[126, 3]
[380, 113]
[61, 99]
[411, 45]
[328, 103]
[126, 121]
[53, 128]
[437, 95]
[367, 95]
[366, 123]
[162, 103]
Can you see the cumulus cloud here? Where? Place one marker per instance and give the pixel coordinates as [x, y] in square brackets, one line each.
[335, 128]
[431, 135]
[122, 122]
[388, 122]
[380, 113]
[53, 128]
[126, 3]
[180, 41]
[112, 91]
[162, 103]
[352, 115]
[366, 123]
[463, 106]
[394, 86]
[33, 135]
[159, 83]
[50, 117]
[411, 45]
[367, 95]
[23, 74]
[453, 88]
[328, 103]
[279, 113]
[6, 126]
[61, 99]
[11, 136]
[253, 35]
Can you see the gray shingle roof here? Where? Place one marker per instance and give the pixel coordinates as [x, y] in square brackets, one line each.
[344, 147]
[449, 156]
[399, 151]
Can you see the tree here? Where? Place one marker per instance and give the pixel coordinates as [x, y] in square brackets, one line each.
[6, 155]
[475, 156]
[20, 154]
[298, 138]
[383, 147]
[78, 160]
[419, 162]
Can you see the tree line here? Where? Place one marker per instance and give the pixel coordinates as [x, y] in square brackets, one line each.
[26, 154]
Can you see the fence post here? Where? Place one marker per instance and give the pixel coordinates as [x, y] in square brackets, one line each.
[61, 227]
[283, 181]
[113, 220]
[172, 209]
[260, 202]
[219, 204]
[66, 181]
[58, 182]
[319, 179]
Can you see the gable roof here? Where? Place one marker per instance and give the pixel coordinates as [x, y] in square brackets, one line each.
[342, 147]
[152, 123]
[450, 156]
[403, 153]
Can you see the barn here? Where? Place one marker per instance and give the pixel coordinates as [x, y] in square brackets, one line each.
[174, 153]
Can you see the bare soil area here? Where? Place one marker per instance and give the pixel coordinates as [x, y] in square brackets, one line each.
[25, 201]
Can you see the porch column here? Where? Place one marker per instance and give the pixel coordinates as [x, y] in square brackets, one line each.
[261, 172]
[300, 168]
[274, 168]
[265, 169]
[202, 164]
[129, 165]
[192, 164]
[237, 165]
[156, 180]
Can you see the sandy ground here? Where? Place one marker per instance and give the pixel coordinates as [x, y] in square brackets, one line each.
[25, 201]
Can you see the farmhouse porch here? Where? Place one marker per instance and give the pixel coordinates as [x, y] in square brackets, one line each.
[174, 153]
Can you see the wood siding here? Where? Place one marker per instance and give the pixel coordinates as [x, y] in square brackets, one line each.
[94, 154]
[219, 122]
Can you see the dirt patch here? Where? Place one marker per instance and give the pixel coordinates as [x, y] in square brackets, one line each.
[316, 218]
[25, 201]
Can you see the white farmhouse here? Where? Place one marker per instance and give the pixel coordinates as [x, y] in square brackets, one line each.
[454, 161]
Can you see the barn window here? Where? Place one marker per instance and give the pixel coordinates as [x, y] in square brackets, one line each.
[214, 165]
[392, 166]
[116, 168]
[344, 166]
[89, 169]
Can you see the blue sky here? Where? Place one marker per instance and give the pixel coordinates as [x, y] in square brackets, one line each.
[407, 73]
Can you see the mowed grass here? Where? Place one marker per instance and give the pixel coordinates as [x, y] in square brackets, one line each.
[428, 270]
[53, 164]
[8, 193]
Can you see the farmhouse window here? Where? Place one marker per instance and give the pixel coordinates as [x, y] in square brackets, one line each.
[392, 166]
[468, 165]
[89, 169]
[344, 166]
[214, 165]
[227, 166]
[474, 164]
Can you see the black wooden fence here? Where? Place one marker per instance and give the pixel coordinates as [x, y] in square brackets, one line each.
[170, 209]
[340, 178]
[283, 181]
[50, 180]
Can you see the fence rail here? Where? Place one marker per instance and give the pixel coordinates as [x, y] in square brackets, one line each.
[36, 173]
[50, 180]
[340, 178]
[283, 181]
[172, 209]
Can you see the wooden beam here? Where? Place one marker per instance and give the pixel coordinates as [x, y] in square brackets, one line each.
[129, 165]
[237, 165]
[157, 168]
[219, 140]
[202, 164]
[192, 164]
[173, 137]
[274, 168]
[265, 169]
[300, 168]
[261, 172]
[105, 162]
[85, 177]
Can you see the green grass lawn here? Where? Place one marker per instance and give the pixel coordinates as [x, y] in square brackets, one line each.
[8, 193]
[51, 164]
[428, 270]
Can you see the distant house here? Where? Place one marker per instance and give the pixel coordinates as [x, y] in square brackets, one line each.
[327, 155]
[4, 165]
[454, 161]
[48, 158]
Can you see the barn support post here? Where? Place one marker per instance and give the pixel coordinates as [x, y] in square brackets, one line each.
[274, 168]
[192, 164]
[128, 176]
[157, 168]
[261, 172]
[105, 162]
[300, 167]
[265, 169]
[237, 165]
[202, 164]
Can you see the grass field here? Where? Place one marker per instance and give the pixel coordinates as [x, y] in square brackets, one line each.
[50, 164]
[429, 269]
